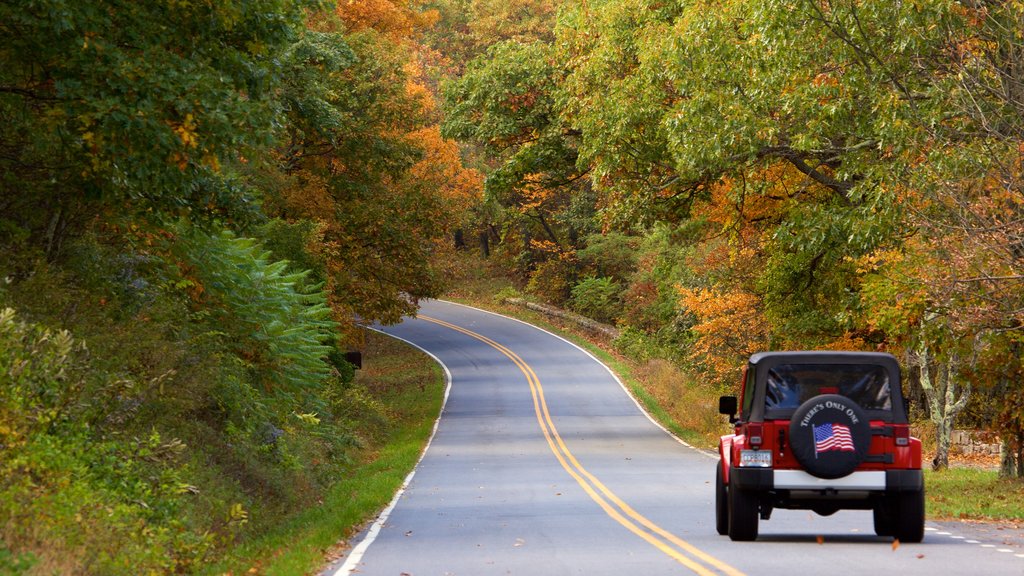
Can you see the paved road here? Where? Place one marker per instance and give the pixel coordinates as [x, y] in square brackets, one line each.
[543, 465]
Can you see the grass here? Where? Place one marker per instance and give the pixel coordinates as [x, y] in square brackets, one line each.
[410, 386]
[973, 494]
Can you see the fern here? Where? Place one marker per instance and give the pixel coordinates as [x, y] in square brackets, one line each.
[279, 318]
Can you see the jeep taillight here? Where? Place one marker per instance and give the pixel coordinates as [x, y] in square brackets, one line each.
[755, 434]
[901, 435]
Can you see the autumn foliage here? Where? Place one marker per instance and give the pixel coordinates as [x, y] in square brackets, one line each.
[195, 220]
[812, 175]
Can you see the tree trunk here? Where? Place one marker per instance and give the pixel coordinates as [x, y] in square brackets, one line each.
[53, 235]
[1020, 455]
[1007, 458]
[547, 228]
[485, 244]
[943, 439]
[945, 402]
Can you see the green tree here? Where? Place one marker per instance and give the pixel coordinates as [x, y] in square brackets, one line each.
[106, 104]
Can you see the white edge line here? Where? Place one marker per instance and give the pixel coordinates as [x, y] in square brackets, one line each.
[625, 388]
[356, 555]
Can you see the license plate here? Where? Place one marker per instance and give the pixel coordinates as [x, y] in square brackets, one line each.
[756, 458]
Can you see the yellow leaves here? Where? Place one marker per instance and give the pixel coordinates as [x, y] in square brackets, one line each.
[309, 419]
[211, 161]
[874, 261]
[189, 137]
[237, 515]
[186, 131]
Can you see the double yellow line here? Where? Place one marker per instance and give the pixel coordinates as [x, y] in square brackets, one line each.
[682, 551]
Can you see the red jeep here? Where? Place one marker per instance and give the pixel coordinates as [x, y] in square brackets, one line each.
[820, 431]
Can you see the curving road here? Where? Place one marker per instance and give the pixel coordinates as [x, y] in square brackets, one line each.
[542, 464]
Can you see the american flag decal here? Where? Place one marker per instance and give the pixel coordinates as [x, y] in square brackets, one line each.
[831, 436]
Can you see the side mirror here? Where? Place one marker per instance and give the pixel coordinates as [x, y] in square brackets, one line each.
[727, 405]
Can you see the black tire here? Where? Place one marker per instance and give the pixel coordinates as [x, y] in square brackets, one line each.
[743, 514]
[909, 522]
[844, 441]
[721, 503]
[883, 515]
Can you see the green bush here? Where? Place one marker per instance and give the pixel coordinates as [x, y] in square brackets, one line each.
[598, 298]
[72, 500]
[611, 254]
[281, 323]
[40, 376]
[506, 293]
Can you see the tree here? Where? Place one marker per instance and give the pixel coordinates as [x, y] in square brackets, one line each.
[506, 104]
[104, 105]
[362, 160]
[947, 394]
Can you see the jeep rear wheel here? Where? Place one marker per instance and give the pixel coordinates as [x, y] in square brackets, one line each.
[883, 515]
[909, 516]
[721, 503]
[743, 514]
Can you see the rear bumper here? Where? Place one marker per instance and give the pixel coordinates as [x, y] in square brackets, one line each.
[764, 479]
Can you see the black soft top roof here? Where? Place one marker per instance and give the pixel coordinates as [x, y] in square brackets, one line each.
[824, 357]
[761, 363]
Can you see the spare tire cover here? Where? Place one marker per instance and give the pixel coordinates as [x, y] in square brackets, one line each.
[829, 435]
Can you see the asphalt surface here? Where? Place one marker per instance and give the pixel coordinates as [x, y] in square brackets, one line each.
[542, 464]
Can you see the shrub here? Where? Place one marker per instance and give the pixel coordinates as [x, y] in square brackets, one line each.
[552, 280]
[72, 500]
[281, 323]
[612, 255]
[597, 298]
[39, 379]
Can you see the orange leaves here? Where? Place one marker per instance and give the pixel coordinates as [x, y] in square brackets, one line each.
[825, 79]
[440, 169]
[534, 194]
[847, 341]
[730, 326]
[550, 248]
[517, 102]
[396, 19]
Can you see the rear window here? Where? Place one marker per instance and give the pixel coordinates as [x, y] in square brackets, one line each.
[790, 385]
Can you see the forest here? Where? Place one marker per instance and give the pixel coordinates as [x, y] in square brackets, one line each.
[201, 203]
